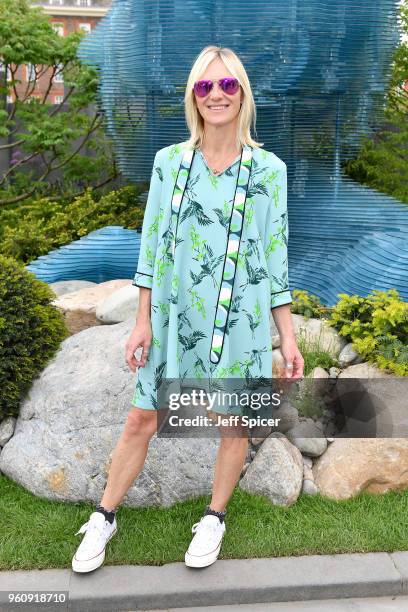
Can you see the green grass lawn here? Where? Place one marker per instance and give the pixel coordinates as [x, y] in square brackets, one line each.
[38, 533]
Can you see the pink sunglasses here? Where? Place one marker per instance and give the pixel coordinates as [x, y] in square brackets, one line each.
[229, 85]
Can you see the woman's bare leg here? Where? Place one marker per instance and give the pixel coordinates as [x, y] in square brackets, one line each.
[231, 456]
[129, 455]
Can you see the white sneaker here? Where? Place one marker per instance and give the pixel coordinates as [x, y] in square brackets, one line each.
[206, 544]
[91, 552]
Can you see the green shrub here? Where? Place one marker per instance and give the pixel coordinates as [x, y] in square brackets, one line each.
[308, 305]
[377, 325]
[31, 330]
[36, 228]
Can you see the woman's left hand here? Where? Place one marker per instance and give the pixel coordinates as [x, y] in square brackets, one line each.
[292, 356]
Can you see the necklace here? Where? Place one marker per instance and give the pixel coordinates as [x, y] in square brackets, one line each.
[214, 170]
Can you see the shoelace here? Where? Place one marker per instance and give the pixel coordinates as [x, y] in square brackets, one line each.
[83, 528]
[204, 526]
[87, 527]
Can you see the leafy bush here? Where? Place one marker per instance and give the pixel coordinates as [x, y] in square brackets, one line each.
[31, 330]
[308, 305]
[42, 225]
[377, 325]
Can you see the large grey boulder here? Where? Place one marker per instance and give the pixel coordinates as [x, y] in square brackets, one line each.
[79, 307]
[69, 286]
[119, 305]
[74, 414]
[276, 472]
[352, 465]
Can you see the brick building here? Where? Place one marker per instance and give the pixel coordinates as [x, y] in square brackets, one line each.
[66, 16]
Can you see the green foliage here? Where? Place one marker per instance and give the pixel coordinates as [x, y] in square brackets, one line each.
[52, 136]
[38, 227]
[308, 305]
[31, 330]
[382, 161]
[377, 325]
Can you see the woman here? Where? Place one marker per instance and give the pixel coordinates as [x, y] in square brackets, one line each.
[213, 263]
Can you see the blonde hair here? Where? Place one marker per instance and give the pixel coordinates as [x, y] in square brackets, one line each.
[247, 114]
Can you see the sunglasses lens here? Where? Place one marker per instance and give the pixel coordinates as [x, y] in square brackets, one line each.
[230, 86]
[202, 88]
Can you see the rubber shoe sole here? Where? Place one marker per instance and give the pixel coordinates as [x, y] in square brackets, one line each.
[88, 565]
[203, 560]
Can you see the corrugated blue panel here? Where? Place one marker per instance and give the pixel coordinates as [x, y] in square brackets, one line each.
[318, 71]
[105, 254]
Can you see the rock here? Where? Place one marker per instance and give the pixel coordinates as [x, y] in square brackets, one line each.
[257, 441]
[7, 429]
[319, 372]
[244, 469]
[372, 403]
[364, 370]
[288, 416]
[274, 331]
[309, 487]
[351, 465]
[334, 372]
[276, 341]
[347, 355]
[119, 305]
[308, 438]
[307, 473]
[276, 472]
[69, 286]
[72, 417]
[316, 383]
[79, 307]
[259, 433]
[278, 364]
[318, 333]
[307, 461]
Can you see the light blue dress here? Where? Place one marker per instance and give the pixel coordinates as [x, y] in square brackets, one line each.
[214, 253]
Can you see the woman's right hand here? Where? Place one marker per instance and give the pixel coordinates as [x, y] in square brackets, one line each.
[140, 336]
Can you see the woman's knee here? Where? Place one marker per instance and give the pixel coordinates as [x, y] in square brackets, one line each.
[233, 438]
[141, 422]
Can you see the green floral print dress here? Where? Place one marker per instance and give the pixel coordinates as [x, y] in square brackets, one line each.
[214, 254]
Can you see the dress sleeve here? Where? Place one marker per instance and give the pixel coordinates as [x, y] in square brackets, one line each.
[276, 238]
[148, 244]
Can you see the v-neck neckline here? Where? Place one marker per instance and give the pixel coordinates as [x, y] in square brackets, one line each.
[219, 173]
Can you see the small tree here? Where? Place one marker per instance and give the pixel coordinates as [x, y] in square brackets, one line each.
[383, 159]
[54, 136]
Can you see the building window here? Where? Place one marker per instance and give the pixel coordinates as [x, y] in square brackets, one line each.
[58, 27]
[59, 77]
[30, 72]
[56, 2]
[84, 2]
[2, 66]
[58, 99]
[86, 27]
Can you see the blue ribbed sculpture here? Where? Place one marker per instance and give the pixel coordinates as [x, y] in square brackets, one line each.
[318, 70]
[105, 254]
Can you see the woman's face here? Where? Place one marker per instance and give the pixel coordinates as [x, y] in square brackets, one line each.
[232, 103]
